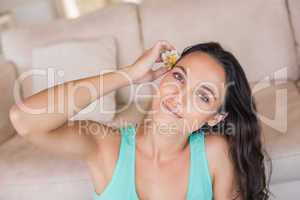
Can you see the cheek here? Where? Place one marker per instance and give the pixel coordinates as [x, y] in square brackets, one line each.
[196, 115]
[197, 111]
[197, 108]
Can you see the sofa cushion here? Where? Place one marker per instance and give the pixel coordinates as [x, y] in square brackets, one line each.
[7, 81]
[287, 190]
[262, 42]
[27, 172]
[119, 20]
[278, 106]
[71, 60]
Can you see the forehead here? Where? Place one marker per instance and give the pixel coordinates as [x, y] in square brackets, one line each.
[201, 68]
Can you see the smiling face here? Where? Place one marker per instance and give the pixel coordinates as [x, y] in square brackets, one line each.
[190, 94]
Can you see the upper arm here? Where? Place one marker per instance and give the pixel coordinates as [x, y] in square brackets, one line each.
[74, 139]
[222, 168]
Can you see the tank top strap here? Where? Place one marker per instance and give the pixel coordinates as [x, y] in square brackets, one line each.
[200, 186]
[128, 133]
[128, 175]
[128, 152]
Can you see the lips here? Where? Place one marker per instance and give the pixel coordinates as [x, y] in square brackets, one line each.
[170, 110]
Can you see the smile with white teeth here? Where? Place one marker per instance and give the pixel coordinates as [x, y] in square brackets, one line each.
[170, 110]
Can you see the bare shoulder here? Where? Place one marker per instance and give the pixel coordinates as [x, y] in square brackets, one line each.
[224, 179]
[217, 145]
[218, 153]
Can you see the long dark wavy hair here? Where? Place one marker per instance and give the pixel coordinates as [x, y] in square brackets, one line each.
[241, 127]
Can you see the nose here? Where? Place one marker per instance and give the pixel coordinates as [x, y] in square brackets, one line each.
[174, 102]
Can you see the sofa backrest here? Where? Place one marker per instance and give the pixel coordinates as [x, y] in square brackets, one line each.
[257, 32]
[119, 20]
[7, 83]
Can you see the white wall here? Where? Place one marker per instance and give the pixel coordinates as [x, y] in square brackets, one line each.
[30, 12]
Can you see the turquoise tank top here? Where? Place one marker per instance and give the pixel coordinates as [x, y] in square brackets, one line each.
[122, 184]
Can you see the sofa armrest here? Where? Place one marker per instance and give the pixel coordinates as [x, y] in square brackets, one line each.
[7, 80]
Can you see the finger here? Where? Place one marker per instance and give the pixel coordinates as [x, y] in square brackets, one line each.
[170, 46]
[167, 45]
[159, 59]
[159, 72]
[162, 45]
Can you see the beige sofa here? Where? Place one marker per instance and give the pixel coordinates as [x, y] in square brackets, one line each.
[264, 35]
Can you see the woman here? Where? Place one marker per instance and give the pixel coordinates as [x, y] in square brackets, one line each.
[213, 149]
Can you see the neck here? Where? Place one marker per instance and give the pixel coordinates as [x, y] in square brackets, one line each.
[159, 142]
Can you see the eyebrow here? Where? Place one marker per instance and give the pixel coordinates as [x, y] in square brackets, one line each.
[209, 90]
[182, 68]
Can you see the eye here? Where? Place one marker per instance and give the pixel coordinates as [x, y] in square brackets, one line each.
[203, 96]
[178, 76]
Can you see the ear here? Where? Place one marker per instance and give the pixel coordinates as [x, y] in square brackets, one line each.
[217, 118]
